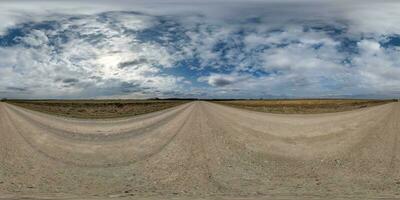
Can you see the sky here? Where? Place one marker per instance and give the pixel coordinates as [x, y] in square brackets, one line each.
[199, 49]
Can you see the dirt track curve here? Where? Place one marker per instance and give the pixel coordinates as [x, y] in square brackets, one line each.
[201, 150]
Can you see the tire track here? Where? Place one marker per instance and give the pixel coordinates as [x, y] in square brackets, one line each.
[86, 165]
[95, 138]
[291, 146]
[116, 123]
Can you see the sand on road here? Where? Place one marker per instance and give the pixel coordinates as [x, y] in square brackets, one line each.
[201, 150]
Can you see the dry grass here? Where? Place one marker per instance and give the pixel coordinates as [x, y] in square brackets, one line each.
[97, 108]
[304, 106]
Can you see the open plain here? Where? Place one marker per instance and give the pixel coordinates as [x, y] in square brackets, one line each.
[96, 109]
[201, 150]
[304, 106]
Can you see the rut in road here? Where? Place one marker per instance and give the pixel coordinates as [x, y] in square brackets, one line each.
[200, 149]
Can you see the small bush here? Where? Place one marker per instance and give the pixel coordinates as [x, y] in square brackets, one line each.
[119, 105]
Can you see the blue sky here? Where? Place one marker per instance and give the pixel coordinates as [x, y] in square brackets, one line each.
[201, 49]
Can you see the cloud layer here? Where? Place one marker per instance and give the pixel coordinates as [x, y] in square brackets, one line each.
[199, 49]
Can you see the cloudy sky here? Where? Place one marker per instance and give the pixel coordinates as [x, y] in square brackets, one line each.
[202, 49]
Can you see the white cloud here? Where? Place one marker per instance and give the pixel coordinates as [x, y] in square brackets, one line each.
[271, 53]
[379, 68]
[36, 38]
[91, 48]
[309, 63]
[222, 80]
[369, 46]
[373, 17]
[299, 57]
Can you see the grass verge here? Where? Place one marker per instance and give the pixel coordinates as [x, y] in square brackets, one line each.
[304, 106]
[97, 109]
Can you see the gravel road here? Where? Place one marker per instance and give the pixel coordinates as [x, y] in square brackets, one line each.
[201, 150]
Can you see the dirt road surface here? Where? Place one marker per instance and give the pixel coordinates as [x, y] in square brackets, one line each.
[201, 150]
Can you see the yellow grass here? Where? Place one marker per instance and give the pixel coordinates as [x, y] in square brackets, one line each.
[304, 105]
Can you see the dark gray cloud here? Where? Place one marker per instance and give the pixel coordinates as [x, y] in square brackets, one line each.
[70, 80]
[219, 82]
[18, 89]
[132, 63]
[127, 87]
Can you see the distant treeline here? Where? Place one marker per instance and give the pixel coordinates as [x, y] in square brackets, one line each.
[194, 99]
[161, 99]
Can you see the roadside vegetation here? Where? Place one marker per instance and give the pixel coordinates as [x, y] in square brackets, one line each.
[303, 106]
[97, 108]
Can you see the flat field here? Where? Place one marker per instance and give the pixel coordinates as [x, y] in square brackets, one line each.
[303, 106]
[97, 108]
